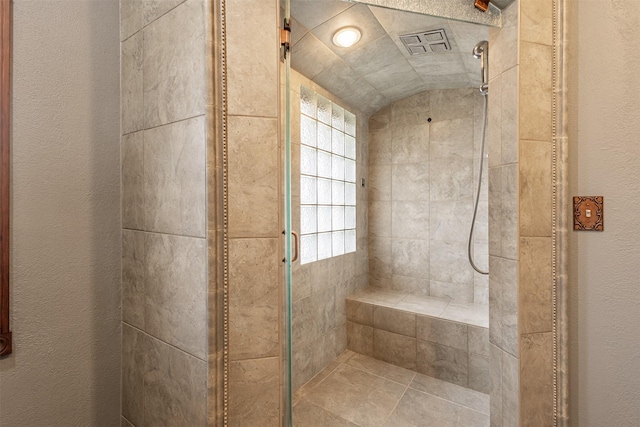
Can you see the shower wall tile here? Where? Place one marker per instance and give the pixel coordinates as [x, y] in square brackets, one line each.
[249, 92]
[131, 67]
[153, 9]
[509, 214]
[509, 116]
[359, 312]
[125, 423]
[360, 338]
[451, 179]
[450, 104]
[443, 332]
[536, 373]
[449, 220]
[449, 263]
[175, 291]
[253, 298]
[418, 286]
[254, 392]
[536, 22]
[132, 162]
[479, 341]
[380, 146]
[494, 121]
[133, 268]
[535, 285]
[535, 188]
[444, 363]
[495, 211]
[380, 182]
[175, 386]
[380, 260]
[408, 144]
[413, 110]
[133, 345]
[174, 65]
[503, 42]
[495, 393]
[253, 177]
[410, 182]
[453, 138]
[408, 257]
[398, 322]
[536, 81]
[175, 178]
[510, 390]
[130, 18]
[410, 220]
[479, 378]
[380, 219]
[456, 292]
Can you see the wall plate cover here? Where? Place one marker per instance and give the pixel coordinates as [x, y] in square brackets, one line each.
[588, 213]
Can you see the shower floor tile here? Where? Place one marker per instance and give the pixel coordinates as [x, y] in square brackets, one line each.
[365, 392]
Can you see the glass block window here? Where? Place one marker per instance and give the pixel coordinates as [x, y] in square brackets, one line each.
[327, 178]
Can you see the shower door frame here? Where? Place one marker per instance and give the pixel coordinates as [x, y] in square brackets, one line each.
[221, 386]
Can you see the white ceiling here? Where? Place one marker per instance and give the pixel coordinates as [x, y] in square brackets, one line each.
[378, 69]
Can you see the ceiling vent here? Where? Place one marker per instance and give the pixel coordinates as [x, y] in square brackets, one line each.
[432, 41]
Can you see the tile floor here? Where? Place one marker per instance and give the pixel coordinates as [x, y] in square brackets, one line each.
[357, 390]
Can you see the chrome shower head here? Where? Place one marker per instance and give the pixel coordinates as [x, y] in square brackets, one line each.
[481, 51]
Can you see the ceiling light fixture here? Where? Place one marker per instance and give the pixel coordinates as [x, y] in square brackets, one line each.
[346, 37]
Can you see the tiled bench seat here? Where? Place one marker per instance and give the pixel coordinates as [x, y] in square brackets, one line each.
[432, 336]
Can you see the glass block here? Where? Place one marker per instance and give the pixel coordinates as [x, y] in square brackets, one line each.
[337, 240]
[324, 137]
[324, 164]
[337, 167]
[324, 110]
[349, 123]
[337, 196]
[349, 194]
[307, 190]
[307, 131]
[324, 218]
[349, 217]
[308, 160]
[324, 191]
[350, 242]
[324, 245]
[350, 170]
[337, 142]
[350, 147]
[308, 248]
[337, 218]
[307, 101]
[337, 117]
[308, 219]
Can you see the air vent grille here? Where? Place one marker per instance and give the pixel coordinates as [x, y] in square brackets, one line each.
[432, 41]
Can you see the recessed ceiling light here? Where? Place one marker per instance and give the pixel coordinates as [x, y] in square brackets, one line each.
[346, 37]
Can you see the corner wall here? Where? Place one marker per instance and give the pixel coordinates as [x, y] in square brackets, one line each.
[164, 212]
[65, 217]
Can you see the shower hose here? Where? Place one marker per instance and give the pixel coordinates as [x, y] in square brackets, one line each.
[475, 208]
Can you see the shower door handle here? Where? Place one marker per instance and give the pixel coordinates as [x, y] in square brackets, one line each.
[296, 246]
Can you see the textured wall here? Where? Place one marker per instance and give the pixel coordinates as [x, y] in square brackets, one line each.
[322, 287]
[65, 218]
[605, 159]
[164, 245]
[422, 184]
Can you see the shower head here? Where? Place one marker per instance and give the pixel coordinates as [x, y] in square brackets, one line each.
[481, 51]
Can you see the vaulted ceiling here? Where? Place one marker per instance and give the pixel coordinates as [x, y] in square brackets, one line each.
[379, 69]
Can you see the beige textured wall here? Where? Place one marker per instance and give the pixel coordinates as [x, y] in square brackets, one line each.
[604, 160]
[65, 218]
[164, 236]
[422, 186]
[320, 288]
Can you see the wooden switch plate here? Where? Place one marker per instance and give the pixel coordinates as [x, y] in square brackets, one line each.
[588, 213]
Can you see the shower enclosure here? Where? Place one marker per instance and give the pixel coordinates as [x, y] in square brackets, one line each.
[384, 149]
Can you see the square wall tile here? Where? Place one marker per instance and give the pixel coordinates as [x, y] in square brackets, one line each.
[254, 393]
[175, 178]
[535, 188]
[535, 285]
[132, 106]
[174, 65]
[133, 269]
[133, 370]
[536, 379]
[445, 363]
[536, 82]
[132, 163]
[253, 298]
[443, 332]
[393, 348]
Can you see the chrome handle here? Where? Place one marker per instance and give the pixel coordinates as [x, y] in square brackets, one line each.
[295, 246]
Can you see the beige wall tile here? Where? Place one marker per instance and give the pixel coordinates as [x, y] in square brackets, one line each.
[456, 292]
[254, 392]
[479, 341]
[393, 348]
[410, 182]
[535, 188]
[410, 220]
[380, 218]
[174, 65]
[132, 163]
[536, 22]
[408, 257]
[535, 285]
[175, 386]
[443, 332]
[253, 177]
[133, 370]
[536, 380]
[445, 363]
[451, 179]
[395, 321]
[494, 121]
[535, 81]
[509, 214]
[509, 116]
[125, 423]
[495, 393]
[130, 18]
[450, 104]
[131, 66]
[253, 90]
[154, 9]
[413, 110]
[495, 211]
[253, 298]
[479, 376]
[359, 312]
[510, 390]
[176, 291]
[175, 178]
[380, 182]
[360, 338]
[504, 42]
[133, 296]
[410, 143]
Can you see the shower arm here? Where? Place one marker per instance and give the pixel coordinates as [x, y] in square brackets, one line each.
[481, 51]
